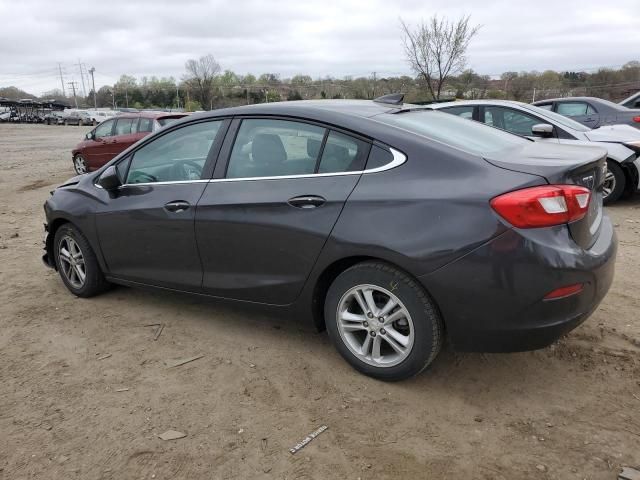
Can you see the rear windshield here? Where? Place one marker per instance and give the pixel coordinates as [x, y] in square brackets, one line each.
[556, 117]
[167, 120]
[472, 137]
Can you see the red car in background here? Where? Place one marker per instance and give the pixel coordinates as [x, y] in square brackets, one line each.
[115, 135]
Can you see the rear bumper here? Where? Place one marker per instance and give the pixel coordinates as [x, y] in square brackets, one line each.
[492, 299]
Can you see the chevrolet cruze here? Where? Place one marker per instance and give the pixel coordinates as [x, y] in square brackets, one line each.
[393, 227]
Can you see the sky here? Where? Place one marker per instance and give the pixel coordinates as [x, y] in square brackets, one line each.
[289, 37]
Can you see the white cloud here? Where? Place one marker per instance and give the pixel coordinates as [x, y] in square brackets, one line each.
[337, 38]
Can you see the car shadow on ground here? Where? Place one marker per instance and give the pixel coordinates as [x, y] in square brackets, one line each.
[526, 372]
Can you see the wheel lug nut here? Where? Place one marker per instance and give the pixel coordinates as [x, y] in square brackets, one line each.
[370, 315]
[373, 334]
[381, 319]
[366, 324]
[382, 331]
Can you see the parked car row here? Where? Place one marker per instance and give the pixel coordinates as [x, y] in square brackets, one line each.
[622, 142]
[392, 226]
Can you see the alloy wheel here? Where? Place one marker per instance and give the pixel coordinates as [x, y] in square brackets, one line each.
[79, 165]
[375, 325]
[72, 262]
[609, 184]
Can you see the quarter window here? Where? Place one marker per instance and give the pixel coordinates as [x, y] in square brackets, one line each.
[545, 106]
[104, 129]
[179, 155]
[268, 148]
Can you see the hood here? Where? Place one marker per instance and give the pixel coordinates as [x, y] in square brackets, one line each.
[614, 133]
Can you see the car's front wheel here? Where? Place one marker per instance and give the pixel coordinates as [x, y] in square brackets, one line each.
[79, 165]
[382, 321]
[77, 263]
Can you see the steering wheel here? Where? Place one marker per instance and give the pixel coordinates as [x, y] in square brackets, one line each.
[187, 170]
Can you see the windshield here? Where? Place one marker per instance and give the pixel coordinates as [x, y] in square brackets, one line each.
[472, 137]
[556, 117]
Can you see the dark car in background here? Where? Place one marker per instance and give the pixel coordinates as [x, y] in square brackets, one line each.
[392, 226]
[592, 112]
[54, 118]
[77, 117]
[114, 135]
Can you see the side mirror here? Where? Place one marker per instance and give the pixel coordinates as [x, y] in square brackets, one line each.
[109, 180]
[542, 130]
[90, 136]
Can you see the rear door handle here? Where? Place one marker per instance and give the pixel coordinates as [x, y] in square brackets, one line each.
[306, 201]
[177, 206]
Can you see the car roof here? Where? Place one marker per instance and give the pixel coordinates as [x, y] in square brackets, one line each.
[504, 103]
[155, 115]
[596, 100]
[359, 108]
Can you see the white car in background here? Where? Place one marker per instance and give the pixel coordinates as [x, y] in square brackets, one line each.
[621, 141]
[99, 116]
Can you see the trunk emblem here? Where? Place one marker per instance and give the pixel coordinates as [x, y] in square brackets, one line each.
[588, 181]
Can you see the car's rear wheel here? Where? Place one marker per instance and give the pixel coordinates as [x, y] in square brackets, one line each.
[382, 321]
[77, 263]
[79, 165]
[614, 183]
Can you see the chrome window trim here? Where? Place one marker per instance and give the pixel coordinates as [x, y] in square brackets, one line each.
[398, 159]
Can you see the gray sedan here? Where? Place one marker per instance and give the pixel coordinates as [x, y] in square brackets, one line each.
[592, 112]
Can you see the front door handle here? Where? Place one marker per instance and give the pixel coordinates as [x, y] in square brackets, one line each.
[306, 201]
[177, 206]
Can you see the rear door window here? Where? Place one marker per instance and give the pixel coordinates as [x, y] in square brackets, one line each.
[574, 109]
[123, 126]
[146, 125]
[343, 153]
[273, 148]
[461, 111]
[510, 120]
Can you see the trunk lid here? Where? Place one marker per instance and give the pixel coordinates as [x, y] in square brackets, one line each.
[564, 164]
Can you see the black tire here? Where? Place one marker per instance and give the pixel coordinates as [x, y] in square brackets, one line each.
[620, 182]
[427, 323]
[94, 282]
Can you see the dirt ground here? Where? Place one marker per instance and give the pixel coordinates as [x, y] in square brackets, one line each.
[569, 411]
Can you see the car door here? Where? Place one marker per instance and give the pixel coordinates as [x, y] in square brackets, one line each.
[582, 112]
[264, 218]
[97, 149]
[146, 229]
[514, 121]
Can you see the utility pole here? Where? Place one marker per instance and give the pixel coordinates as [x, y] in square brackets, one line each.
[64, 94]
[177, 97]
[247, 95]
[534, 95]
[84, 90]
[93, 83]
[374, 84]
[126, 95]
[73, 87]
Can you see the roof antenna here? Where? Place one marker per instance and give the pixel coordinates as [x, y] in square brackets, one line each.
[391, 99]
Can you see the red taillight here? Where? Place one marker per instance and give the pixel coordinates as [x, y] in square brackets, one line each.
[543, 206]
[636, 119]
[563, 292]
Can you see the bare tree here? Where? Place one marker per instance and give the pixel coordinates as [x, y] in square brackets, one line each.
[436, 49]
[200, 77]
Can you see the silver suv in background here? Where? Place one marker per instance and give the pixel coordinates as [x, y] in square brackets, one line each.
[621, 141]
